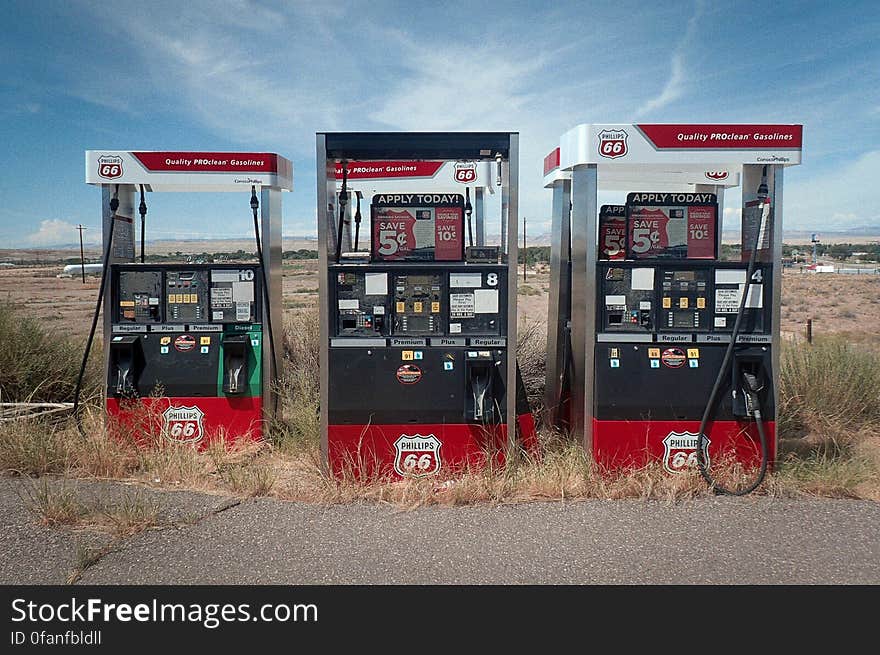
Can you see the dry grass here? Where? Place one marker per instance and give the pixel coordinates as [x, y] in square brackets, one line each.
[54, 506]
[829, 430]
[829, 395]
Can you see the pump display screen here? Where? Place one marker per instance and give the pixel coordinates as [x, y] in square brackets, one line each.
[418, 227]
[671, 225]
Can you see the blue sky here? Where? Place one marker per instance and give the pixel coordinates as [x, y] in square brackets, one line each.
[265, 76]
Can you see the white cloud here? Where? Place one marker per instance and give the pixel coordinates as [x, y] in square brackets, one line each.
[676, 84]
[53, 232]
[836, 199]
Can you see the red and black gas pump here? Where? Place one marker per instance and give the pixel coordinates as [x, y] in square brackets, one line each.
[658, 349]
[418, 324]
[189, 348]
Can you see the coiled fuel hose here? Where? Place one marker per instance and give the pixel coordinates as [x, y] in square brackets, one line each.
[752, 400]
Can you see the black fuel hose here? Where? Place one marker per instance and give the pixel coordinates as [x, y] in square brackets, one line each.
[468, 209]
[114, 205]
[343, 199]
[142, 210]
[255, 204]
[722, 372]
[357, 220]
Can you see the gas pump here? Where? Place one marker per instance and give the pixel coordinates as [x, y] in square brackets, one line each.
[189, 348]
[672, 352]
[418, 326]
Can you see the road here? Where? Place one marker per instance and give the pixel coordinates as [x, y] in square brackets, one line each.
[212, 539]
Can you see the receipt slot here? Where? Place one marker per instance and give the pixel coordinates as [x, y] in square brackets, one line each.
[659, 350]
[418, 331]
[189, 347]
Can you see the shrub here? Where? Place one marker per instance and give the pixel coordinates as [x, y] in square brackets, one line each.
[36, 364]
[830, 387]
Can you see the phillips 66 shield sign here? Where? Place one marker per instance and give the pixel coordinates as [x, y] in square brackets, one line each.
[110, 166]
[612, 143]
[417, 456]
[680, 451]
[465, 172]
[184, 424]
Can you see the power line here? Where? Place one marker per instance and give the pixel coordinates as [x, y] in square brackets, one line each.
[82, 256]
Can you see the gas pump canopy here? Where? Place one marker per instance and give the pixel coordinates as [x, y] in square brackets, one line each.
[189, 171]
[670, 152]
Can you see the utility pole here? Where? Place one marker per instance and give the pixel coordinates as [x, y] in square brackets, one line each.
[525, 254]
[82, 256]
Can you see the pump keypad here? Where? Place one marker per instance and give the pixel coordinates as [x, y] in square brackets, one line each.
[684, 293]
[186, 295]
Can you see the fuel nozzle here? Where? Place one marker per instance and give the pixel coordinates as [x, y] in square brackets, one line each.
[142, 207]
[343, 199]
[763, 191]
[114, 201]
[142, 210]
[357, 218]
[752, 384]
[255, 204]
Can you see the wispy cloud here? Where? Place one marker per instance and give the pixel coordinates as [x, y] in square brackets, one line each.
[677, 82]
[236, 67]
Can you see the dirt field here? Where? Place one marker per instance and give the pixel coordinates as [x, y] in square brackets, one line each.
[837, 304]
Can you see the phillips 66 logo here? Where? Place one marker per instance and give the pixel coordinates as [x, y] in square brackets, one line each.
[680, 451]
[612, 143]
[466, 172]
[110, 166]
[184, 424]
[417, 456]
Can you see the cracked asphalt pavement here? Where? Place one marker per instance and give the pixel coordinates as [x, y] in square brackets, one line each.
[212, 539]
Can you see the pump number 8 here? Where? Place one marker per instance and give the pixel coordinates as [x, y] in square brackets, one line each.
[421, 462]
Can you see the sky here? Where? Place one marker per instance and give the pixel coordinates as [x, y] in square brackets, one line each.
[242, 75]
